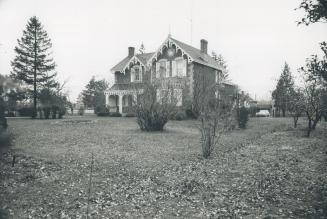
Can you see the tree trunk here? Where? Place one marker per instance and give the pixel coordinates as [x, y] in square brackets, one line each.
[284, 112]
[34, 81]
[309, 125]
[295, 119]
[315, 122]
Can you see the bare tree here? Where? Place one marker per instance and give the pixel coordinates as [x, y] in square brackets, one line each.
[314, 92]
[297, 105]
[216, 112]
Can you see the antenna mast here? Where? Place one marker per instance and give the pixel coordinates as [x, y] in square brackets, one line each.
[191, 23]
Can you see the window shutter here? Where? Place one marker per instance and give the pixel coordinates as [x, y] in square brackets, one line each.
[174, 69]
[157, 69]
[132, 75]
[167, 69]
[158, 95]
[184, 68]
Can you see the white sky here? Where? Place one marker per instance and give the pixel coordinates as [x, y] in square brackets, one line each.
[89, 37]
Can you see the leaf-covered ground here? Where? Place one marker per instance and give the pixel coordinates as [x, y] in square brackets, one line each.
[266, 171]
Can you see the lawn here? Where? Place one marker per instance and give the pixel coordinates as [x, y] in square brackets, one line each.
[268, 170]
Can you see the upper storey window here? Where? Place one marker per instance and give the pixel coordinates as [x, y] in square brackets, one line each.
[136, 74]
[179, 66]
[162, 68]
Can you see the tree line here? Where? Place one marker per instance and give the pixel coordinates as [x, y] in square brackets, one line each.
[309, 99]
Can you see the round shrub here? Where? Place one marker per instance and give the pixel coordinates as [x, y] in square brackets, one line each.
[180, 115]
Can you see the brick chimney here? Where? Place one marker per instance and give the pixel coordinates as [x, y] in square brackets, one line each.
[204, 46]
[131, 51]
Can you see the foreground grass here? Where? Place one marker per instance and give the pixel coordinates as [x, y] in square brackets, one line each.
[267, 170]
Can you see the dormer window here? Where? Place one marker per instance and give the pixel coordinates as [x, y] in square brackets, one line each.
[136, 74]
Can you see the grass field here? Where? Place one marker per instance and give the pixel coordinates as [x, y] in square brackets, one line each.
[268, 170]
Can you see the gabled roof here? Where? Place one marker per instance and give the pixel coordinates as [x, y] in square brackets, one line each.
[197, 55]
[143, 58]
[193, 54]
[120, 66]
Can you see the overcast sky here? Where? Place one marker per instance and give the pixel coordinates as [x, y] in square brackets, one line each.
[256, 37]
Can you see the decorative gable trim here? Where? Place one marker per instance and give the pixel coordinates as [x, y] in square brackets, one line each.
[169, 42]
[133, 60]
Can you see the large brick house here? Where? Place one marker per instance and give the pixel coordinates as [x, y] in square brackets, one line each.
[174, 63]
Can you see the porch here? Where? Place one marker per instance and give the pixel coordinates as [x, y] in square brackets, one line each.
[121, 100]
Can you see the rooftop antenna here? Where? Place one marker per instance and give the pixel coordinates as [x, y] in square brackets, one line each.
[191, 22]
[169, 33]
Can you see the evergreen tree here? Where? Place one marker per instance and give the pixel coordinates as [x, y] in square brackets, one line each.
[284, 90]
[33, 63]
[222, 62]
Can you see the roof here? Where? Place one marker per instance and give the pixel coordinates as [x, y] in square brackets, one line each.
[129, 86]
[197, 55]
[144, 57]
[123, 63]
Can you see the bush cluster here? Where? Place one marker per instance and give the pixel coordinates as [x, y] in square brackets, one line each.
[115, 114]
[26, 111]
[180, 115]
[243, 117]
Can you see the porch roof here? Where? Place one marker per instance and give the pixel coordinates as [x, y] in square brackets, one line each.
[123, 89]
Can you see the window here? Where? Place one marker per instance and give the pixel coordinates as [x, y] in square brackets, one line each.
[136, 74]
[162, 68]
[179, 66]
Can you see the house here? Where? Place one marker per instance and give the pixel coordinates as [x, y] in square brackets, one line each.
[174, 63]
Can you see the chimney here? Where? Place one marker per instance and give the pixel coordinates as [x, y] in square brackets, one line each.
[204, 46]
[131, 51]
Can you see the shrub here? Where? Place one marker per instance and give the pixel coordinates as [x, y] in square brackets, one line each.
[81, 111]
[3, 123]
[10, 114]
[103, 114]
[243, 117]
[115, 114]
[180, 115]
[152, 113]
[46, 112]
[130, 115]
[61, 112]
[100, 109]
[26, 111]
[189, 111]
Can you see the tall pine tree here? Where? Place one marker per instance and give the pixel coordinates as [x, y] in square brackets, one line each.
[33, 63]
[284, 90]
